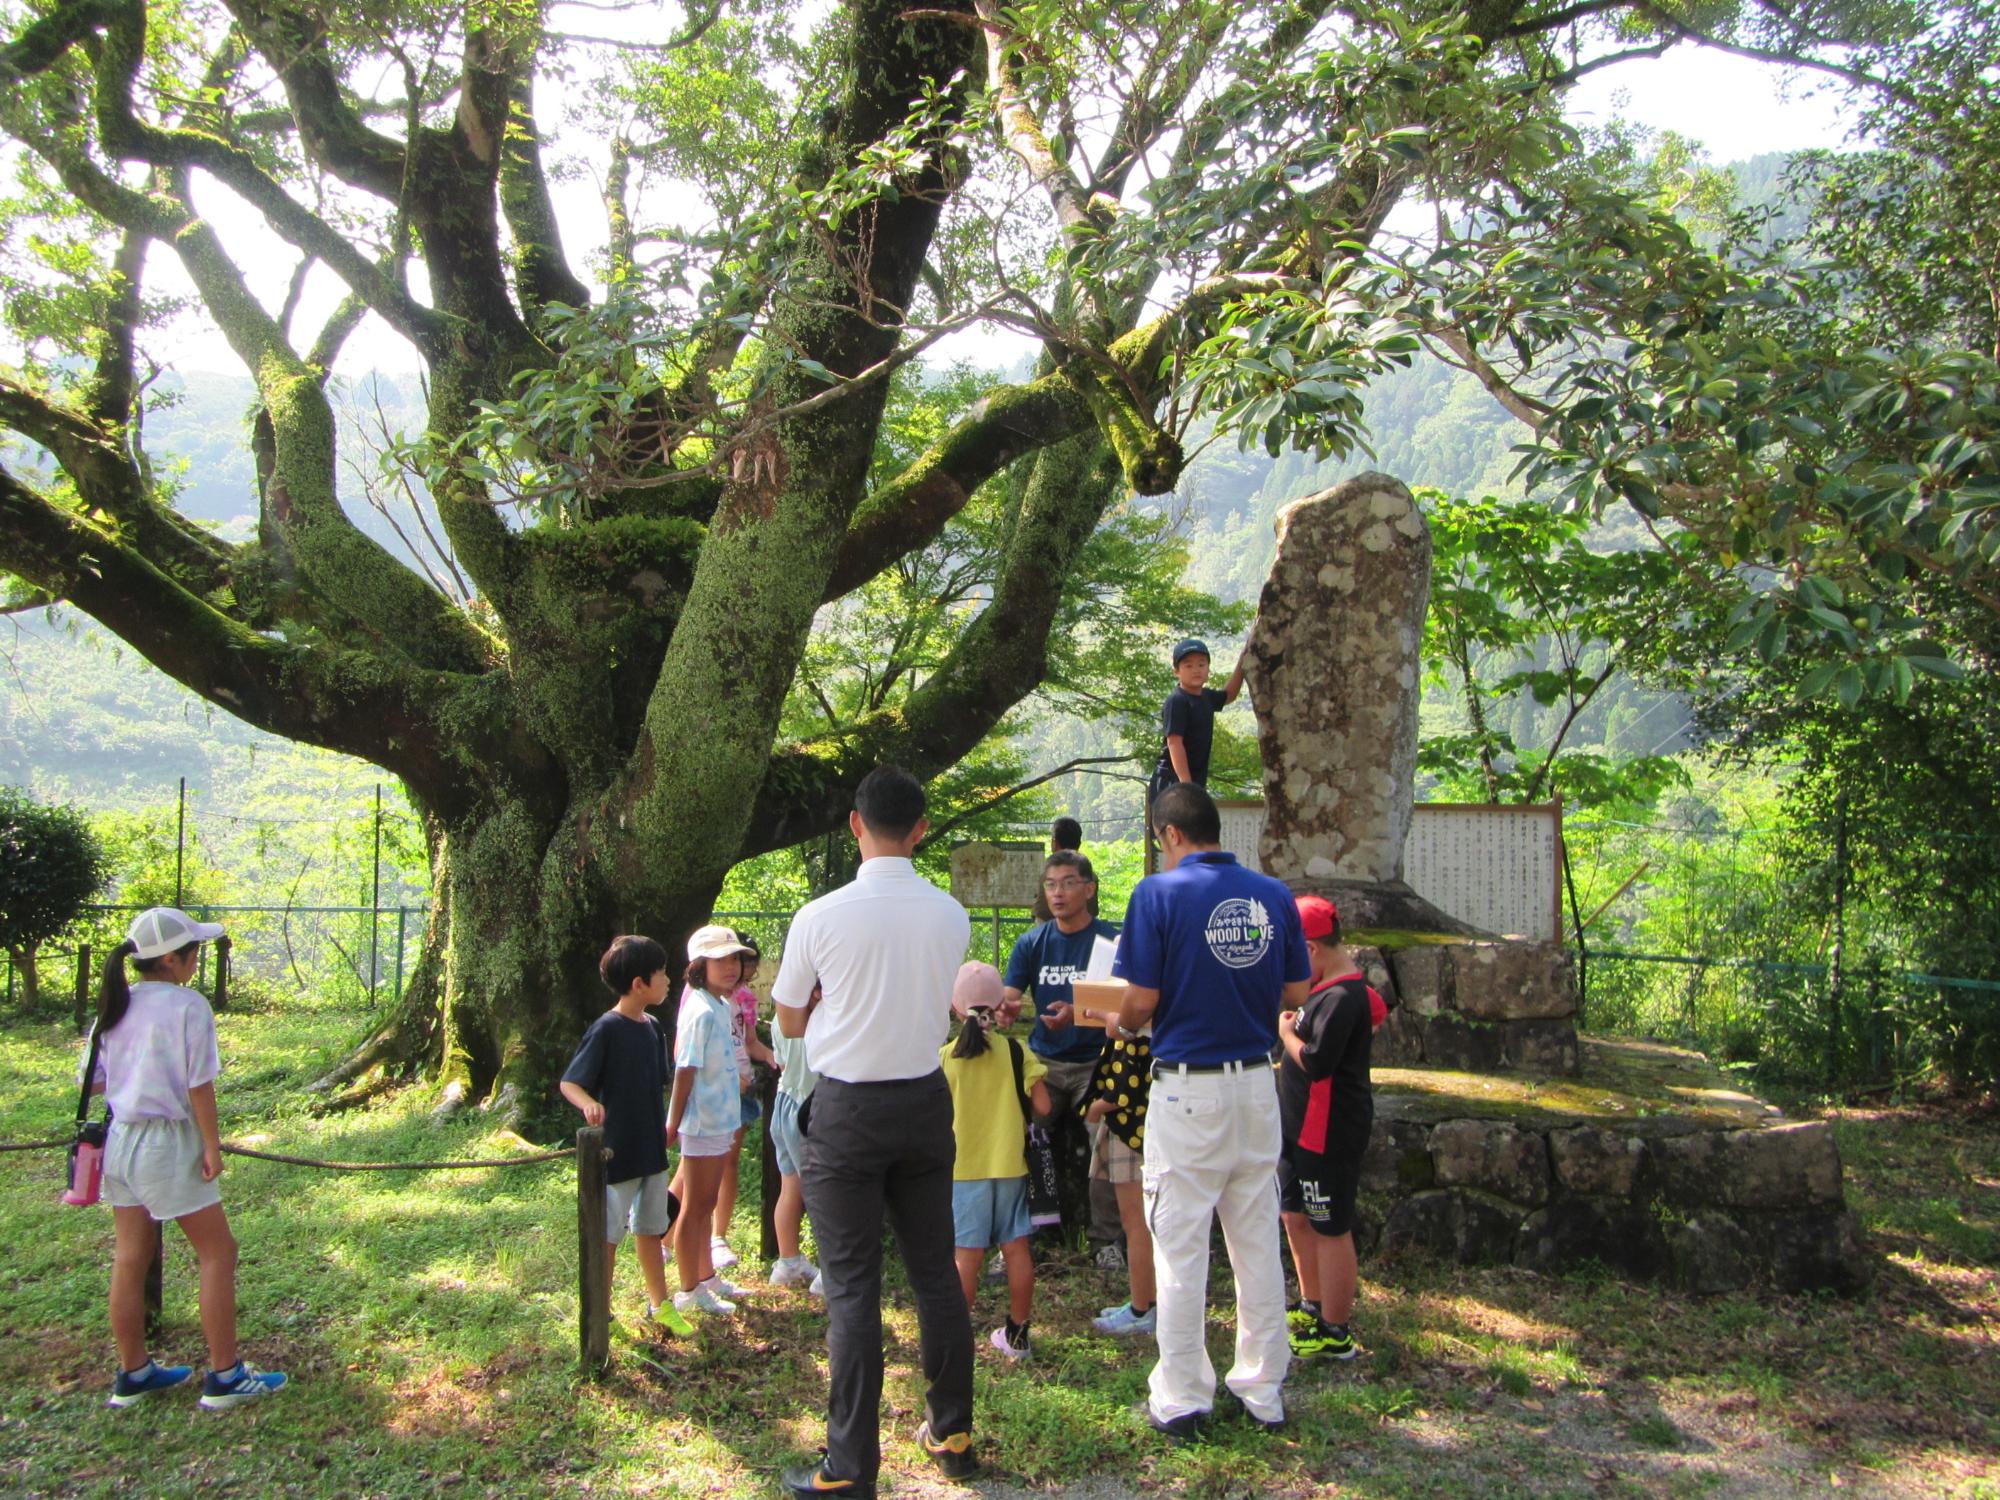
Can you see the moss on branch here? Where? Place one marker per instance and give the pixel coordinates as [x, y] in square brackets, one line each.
[358, 702]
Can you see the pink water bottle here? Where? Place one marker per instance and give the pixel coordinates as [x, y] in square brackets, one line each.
[86, 1172]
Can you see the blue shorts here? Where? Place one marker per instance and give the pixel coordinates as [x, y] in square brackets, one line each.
[989, 1211]
[753, 1108]
[786, 1142]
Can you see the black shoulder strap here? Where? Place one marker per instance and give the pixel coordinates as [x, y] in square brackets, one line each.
[1020, 1081]
[89, 1073]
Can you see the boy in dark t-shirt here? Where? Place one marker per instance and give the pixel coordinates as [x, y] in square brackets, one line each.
[1327, 1108]
[618, 1079]
[1187, 719]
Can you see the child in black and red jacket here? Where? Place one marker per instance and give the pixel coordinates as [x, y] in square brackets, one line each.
[1327, 1107]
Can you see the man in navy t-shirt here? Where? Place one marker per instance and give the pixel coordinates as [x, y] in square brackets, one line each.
[1047, 959]
[1211, 953]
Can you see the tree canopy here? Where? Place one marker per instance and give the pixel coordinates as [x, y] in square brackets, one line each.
[653, 471]
[51, 864]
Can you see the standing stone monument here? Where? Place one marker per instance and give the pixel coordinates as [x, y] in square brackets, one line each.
[1335, 665]
[1681, 1179]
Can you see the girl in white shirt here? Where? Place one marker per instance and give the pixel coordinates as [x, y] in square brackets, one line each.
[157, 1065]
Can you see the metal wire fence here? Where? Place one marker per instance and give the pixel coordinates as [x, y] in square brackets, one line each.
[1784, 946]
[1817, 952]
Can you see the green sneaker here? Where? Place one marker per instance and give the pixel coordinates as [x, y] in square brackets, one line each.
[1325, 1341]
[666, 1318]
[1301, 1318]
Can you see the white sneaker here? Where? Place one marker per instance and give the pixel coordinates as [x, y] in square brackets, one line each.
[723, 1288]
[701, 1299]
[791, 1270]
[818, 1287]
[719, 1253]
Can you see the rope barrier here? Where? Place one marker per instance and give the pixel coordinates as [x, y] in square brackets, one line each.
[345, 1166]
[397, 1166]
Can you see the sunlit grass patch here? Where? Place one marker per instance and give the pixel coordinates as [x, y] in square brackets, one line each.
[430, 1320]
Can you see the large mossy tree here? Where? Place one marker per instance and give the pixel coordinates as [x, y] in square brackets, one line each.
[650, 484]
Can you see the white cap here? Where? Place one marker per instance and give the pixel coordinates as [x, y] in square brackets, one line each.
[162, 930]
[716, 942]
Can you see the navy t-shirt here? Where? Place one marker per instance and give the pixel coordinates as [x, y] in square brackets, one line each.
[1192, 717]
[1220, 943]
[1046, 961]
[623, 1065]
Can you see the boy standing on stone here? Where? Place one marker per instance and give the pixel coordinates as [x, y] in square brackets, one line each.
[1187, 719]
[1327, 1107]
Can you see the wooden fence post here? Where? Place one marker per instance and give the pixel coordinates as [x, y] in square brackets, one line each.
[156, 1280]
[222, 947]
[80, 1006]
[593, 1265]
[768, 1182]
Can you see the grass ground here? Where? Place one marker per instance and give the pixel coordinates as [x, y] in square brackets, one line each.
[429, 1323]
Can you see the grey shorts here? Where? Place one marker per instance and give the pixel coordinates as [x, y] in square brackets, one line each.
[786, 1142]
[156, 1165]
[640, 1204]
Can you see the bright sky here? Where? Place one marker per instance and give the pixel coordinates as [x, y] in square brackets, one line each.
[1733, 107]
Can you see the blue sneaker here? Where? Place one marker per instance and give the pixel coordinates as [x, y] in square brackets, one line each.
[128, 1389]
[219, 1392]
[1123, 1323]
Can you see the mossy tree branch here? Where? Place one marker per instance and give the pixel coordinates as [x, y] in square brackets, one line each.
[332, 131]
[124, 135]
[108, 395]
[347, 569]
[541, 268]
[999, 659]
[41, 45]
[98, 462]
[354, 702]
[713, 713]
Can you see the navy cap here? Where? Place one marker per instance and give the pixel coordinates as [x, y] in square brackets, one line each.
[1188, 648]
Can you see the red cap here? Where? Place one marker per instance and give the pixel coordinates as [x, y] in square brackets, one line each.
[1317, 916]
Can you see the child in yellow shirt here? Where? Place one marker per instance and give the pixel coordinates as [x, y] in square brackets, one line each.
[993, 1092]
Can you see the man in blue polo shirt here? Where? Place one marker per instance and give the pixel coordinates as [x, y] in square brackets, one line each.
[1211, 954]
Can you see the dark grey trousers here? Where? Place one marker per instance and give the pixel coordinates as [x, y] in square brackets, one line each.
[880, 1151]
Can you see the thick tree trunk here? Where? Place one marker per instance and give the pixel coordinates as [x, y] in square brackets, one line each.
[508, 978]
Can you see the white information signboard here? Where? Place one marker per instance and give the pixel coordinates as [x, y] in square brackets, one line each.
[1498, 868]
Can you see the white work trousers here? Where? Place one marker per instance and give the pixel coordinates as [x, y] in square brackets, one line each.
[1212, 1150]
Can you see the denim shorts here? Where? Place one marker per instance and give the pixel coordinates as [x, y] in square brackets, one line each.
[753, 1108]
[786, 1142]
[989, 1211]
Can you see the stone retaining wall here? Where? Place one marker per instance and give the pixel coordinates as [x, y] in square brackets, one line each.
[1709, 1211]
[1477, 1007]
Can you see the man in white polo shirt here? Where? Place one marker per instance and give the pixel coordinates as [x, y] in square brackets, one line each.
[882, 953]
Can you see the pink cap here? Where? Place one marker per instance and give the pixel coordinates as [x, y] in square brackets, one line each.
[977, 985]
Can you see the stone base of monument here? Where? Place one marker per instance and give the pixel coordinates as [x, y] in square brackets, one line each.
[1645, 1162]
[1475, 1005]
